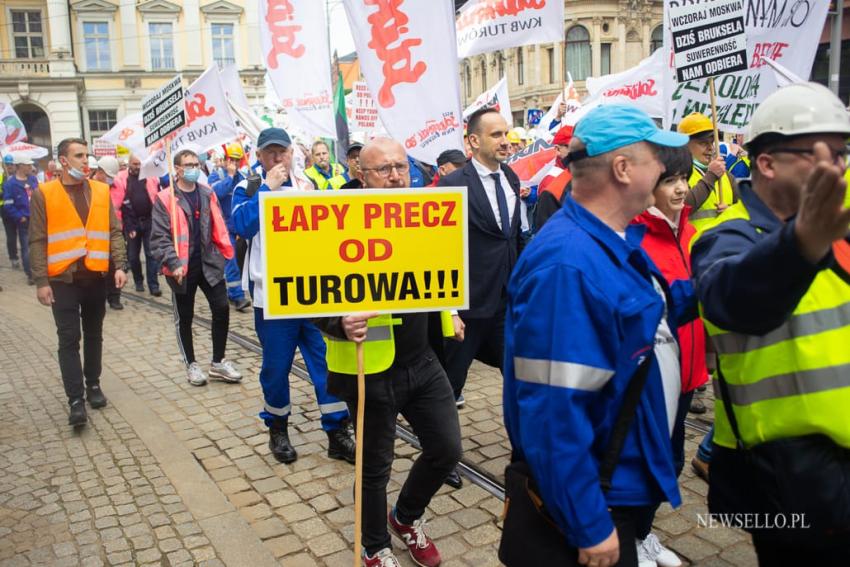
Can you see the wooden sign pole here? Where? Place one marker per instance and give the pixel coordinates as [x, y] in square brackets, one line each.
[716, 133]
[358, 456]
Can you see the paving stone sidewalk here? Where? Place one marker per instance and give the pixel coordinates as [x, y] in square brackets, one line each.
[300, 514]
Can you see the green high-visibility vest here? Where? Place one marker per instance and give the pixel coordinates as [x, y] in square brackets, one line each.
[321, 182]
[708, 210]
[794, 380]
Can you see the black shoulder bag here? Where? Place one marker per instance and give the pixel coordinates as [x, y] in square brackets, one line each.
[798, 480]
[254, 182]
[530, 536]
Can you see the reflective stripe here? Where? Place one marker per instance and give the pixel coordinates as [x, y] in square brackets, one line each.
[801, 325]
[333, 408]
[280, 412]
[98, 235]
[235, 284]
[793, 384]
[9, 202]
[561, 374]
[380, 333]
[97, 255]
[69, 255]
[65, 235]
[704, 214]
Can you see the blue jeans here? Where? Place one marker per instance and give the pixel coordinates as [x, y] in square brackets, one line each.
[279, 338]
[704, 450]
[233, 275]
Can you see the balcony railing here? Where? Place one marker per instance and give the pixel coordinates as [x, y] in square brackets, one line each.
[14, 68]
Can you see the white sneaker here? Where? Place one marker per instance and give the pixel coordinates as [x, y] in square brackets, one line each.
[643, 556]
[656, 552]
[225, 371]
[195, 375]
[383, 558]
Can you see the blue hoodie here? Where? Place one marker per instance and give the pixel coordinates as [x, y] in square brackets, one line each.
[16, 200]
[581, 317]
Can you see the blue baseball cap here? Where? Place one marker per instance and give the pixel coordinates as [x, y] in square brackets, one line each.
[612, 126]
[9, 159]
[271, 136]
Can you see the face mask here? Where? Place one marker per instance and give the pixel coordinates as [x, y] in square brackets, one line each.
[191, 175]
[109, 180]
[76, 174]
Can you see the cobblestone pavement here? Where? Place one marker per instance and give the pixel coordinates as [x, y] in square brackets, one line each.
[170, 474]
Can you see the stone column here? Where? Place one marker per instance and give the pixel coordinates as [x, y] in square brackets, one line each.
[193, 46]
[129, 31]
[59, 23]
[251, 42]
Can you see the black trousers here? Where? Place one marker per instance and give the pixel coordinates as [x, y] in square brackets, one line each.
[484, 340]
[81, 302]
[422, 394]
[113, 293]
[773, 551]
[134, 251]
[183, 302]
[11, 228]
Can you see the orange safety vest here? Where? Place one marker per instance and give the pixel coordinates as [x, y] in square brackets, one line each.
[67, 239]
[218, 228]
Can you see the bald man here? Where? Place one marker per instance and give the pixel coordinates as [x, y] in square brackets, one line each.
[415, 385]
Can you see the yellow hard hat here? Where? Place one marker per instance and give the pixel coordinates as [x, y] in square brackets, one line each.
[695, 123]
[514, 138]
[234, 150]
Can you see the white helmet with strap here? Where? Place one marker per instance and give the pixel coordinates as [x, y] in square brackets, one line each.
[799, 109]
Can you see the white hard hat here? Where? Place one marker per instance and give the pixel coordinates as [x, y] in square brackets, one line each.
[798, 109]
[109, 165]
[21, 159]
[92, 162]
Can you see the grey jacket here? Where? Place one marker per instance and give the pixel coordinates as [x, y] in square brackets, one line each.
[162, 242]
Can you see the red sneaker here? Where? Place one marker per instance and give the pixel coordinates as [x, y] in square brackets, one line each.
[422, 550]
[383, 558]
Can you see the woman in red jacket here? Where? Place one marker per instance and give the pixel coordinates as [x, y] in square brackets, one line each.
[667, 238]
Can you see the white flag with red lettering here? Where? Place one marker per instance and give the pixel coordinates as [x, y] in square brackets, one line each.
[130, 133]
[294, 39]
[208, 123]
[409, 58]
[11, 128]
[492, 25]
[640, 86]
[496, 97]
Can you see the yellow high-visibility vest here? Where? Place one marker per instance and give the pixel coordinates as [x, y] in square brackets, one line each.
[794, 380]
[708, 210]
[313, 173]
[67, 239]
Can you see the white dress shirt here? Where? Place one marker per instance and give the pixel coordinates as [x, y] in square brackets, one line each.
[490, 189]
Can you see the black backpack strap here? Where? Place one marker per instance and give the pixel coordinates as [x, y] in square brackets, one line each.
[727, 406]
[623, 423]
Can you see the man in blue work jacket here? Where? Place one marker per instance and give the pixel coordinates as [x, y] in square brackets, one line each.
[585, 307]
[279, 337]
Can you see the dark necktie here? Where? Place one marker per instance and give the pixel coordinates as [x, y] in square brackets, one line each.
[503, 205]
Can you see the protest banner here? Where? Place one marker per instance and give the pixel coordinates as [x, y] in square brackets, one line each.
[362, 251]
[495, 97]
[11, 128]
[708, 38]
[786, 32]
[492, 25]
[532, 162]
[569, 97]
[232, 85]
[208, 123]
[25, 150]
[294, 40]
[409, 58]
[163, 111]
[101, 147]
[640, 86]
[129, 133]
[364, 111]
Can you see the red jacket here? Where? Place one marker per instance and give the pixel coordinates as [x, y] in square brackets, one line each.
[670, 252]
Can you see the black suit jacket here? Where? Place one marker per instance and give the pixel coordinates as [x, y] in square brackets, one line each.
[492, 255]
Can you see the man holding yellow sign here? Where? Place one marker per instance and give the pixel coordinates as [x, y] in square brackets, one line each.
[399, 253]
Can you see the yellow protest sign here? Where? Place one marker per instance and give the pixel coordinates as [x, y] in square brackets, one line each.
[328, 253]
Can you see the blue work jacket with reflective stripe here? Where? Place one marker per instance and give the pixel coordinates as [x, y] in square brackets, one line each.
[582, 313]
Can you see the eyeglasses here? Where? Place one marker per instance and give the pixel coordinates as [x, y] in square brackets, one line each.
[838, 155]
[190, 165]
[386, 170]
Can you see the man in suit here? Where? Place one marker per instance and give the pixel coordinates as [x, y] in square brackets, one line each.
[495, 240]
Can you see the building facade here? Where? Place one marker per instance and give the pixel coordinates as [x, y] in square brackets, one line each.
[75, 68]
[601, 37]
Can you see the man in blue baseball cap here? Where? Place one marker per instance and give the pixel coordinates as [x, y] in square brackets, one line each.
[590, 341]
[280, 337]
